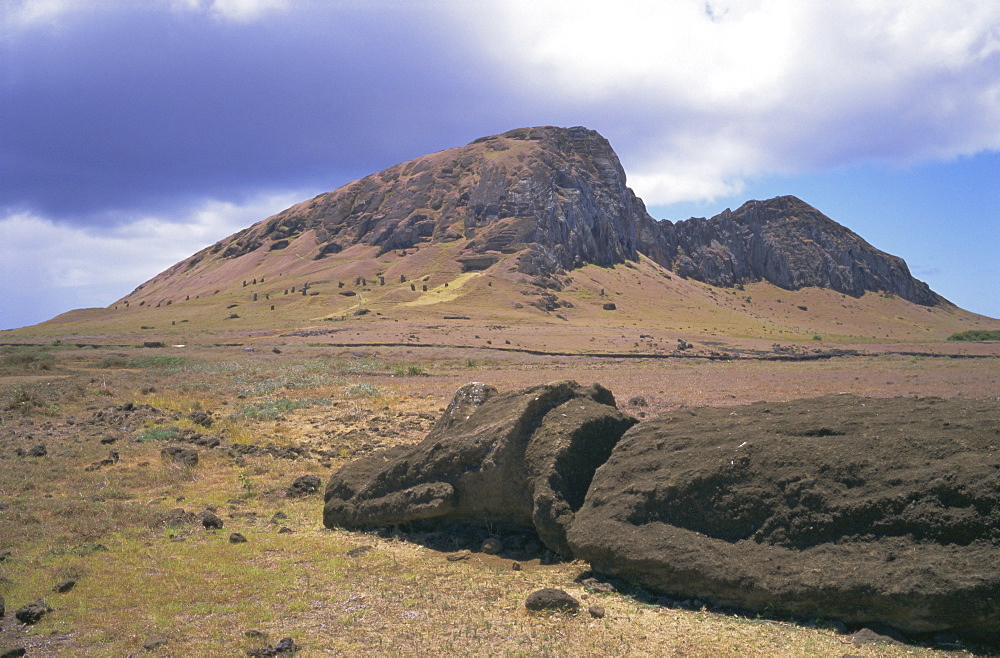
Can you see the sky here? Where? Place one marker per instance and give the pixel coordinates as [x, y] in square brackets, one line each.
[134, 133]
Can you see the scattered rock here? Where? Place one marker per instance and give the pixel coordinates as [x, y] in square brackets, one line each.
[237, 538]
[179, 455]
[155, 642]
[64, 586]
[595, 585]
[16, 652]
[112, 459]
[459, 556]
[638, 401]
[286, 647]
[868, 636]
[516, 566]
[596, 611]
[38, 450]
[551, 598]
[211, 521]
[358, 551]
[202, 418]
[33, 612]
[491, 546]
[3, 608]
[285, 530]
[609, 306]
[305, 485]
[278, 517]
[522, 459]
[255, 634]
[4, 555]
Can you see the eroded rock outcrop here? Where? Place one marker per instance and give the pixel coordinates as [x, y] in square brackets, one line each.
[522, 459]
[867, 510]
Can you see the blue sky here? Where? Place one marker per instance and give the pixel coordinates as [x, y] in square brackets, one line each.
[133, 134]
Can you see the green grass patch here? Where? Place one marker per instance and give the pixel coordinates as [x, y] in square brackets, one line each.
[141, 362]
[976, 335]
[26, 358]
[364, 390]
[275, 409]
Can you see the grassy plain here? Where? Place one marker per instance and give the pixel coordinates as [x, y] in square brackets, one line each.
[144, 565]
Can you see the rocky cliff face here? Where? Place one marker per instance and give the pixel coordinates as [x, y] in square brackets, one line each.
[787, 242]
[558, 199]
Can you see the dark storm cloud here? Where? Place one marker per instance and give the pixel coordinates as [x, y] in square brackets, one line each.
[131, 110]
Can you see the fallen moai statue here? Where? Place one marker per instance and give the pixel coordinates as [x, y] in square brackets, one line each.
[522, 459]
[860, 509]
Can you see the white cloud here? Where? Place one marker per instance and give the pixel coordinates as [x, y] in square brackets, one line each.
[705, 95]
[65, 267]
[33, 13]
[234, 10]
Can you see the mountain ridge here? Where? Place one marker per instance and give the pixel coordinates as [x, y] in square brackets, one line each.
[557, 199]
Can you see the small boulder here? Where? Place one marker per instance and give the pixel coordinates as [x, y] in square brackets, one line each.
[491, 546]
[211, 521]
[237, 538]
[64, 586]
[179, 455]
[597, 611]
[550, 598]
[155, 642]
[305, 485]
[33, 612]
[609, 306]
[15, 652]
[38, 450]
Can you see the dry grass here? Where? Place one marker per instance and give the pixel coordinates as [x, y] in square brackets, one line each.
[203, 593]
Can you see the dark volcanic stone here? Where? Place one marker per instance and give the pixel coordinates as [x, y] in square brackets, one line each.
[33, 612]
[491, 546]
[551, 598]
[522, 459]
[16, 652]
[179, 455]
[211, 521]
[305, 485]
[37, 450]
[866, 510]
[237, 538]
[64, 586]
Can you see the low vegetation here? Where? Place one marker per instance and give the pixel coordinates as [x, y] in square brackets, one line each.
[106, 507]
[26, 359]
[976, 335]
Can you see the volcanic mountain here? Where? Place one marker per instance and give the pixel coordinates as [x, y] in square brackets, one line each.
[534, 223]
[557, 199]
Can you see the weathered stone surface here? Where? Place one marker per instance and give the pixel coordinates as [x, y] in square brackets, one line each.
[211, 521]
[867, 510]
[522, 459]
[553, 599]
[305, 485]
[33, 612]
[784, 241]
[179, 455]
